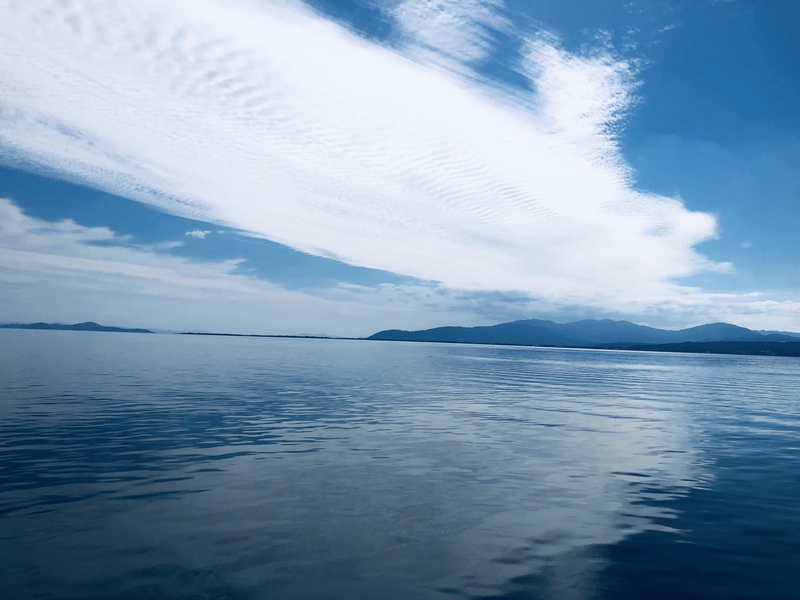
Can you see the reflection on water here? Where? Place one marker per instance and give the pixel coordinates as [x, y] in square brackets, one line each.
[167, 466]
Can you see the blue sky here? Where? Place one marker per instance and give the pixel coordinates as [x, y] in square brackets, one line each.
[342, 167]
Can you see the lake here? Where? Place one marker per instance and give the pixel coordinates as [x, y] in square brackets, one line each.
[168, 466]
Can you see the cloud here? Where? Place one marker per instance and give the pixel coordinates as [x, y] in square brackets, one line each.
[59, 271]
[66, 272]
[270, 119]
[197, 234]
[63, 271]
[33, 247]
[458, 29]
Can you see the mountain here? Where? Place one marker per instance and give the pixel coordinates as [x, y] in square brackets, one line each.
[87, 326]
[589, 333]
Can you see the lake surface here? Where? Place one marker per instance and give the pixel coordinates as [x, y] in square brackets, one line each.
[165, 466]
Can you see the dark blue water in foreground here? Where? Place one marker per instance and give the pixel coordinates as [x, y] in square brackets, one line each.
[157, 466]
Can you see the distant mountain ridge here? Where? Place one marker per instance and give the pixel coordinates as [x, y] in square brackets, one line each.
[589, 333]
[86, 326]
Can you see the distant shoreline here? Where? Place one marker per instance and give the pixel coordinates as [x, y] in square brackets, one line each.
[86, 326]
[734, 347]
[270, 335]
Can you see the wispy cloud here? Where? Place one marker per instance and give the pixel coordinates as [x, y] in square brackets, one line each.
[268, 118]
[459, 29]
[66, 249]
[197, 233]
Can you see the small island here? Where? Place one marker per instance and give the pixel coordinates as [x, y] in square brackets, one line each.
[86, 326]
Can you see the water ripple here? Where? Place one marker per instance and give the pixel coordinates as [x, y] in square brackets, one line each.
[170, 466]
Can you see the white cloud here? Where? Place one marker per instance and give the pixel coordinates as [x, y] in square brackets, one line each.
[583, 98]
[197, 233]
[459, 29]
[270, 119]
[65, 249]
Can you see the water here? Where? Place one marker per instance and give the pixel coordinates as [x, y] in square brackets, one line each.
[157, 466]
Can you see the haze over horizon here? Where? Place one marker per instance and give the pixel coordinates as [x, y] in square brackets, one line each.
[348, 167]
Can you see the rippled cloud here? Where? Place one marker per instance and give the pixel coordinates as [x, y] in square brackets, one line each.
[271, 119]
[458, 29]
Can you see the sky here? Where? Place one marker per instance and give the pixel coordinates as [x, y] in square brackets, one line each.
[341, 167]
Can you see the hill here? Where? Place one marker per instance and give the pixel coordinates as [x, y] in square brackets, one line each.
[590, 333]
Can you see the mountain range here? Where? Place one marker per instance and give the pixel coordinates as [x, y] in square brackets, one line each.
[589, 333]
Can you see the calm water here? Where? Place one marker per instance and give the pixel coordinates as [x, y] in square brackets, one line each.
[136, 466]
